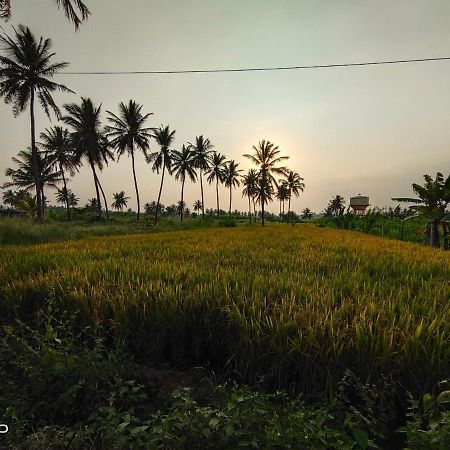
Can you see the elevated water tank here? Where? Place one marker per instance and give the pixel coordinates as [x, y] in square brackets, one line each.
[359, 204]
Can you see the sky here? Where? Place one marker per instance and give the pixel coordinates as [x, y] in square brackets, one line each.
[371, 130]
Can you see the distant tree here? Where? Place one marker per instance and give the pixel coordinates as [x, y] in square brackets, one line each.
[93, 204]
[163, 158]
[57, 145]
[181, 207]
[198, 205]
[202, 150]
[431, 203]
[88, 141]
[183, 165]
[128, 133]
[295, 185]
[120, 201]
[216, 172]
[150, 208]
[70, 8]
[9, 198]
[172, 210]
[73, 199]
[266, 157]
[249, 182]
[231, 178]
[25, 74]
[307, 214]
[23, 176]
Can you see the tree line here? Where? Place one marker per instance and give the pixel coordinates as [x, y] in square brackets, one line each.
[26, 70]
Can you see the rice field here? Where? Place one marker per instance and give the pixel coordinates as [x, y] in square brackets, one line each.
[296, 305]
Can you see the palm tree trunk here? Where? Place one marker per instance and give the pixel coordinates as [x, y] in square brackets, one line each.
[135, 185]
[434, 234]
[217, 194]
[160, 190]
[201, 188]
[37, 178]
[249, 210]
[254, 208]
[66, 196]
[104, 198]
[99, 207]
[279, 217]
[446, 238]
[229, 211]
[181, 204]
[262, 211]
[289, 203]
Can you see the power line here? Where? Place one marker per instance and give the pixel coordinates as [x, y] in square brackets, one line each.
[258, 69]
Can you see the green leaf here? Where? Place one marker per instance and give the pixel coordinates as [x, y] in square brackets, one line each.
[360, 437]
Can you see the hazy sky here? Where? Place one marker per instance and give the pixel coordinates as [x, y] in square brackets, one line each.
[369, 130]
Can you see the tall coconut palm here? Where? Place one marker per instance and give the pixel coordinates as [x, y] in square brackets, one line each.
[282, 195]
[202, 150]
[120, 201]
[249, 182]
[231, 178]
[56, 142]
[266, 157]
[162, 158]
[23, 176]
[216, 173]
[26, 69]
[88, 140]
[70, 8]
[295, 185]
[128, 133]
[183, 165]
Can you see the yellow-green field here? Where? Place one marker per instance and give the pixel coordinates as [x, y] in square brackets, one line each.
[296, 304]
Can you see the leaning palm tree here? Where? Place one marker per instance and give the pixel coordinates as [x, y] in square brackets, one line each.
[120, 201]
[162, 158]
[216, 173]
[266, 157]
[231, 178]
[23, 176]
[128, 133]
[295, 185]
[56, 142]
[183, 165]
[88, 141]
[76, 11]
[202, 150]
[26, 70]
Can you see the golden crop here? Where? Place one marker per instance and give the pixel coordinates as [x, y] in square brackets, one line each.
[296, 304]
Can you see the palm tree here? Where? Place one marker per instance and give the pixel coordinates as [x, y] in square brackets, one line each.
[163, 158]
[307, 214]
[266, 157]
[25, 74]
[88, 141]
[433, 199]
[282, 194]
[249, 181]
[56, 142]
[295, 185]
[23, 176]
[120, 201]
[198, 205]
[183, 164]
[180, 207]
[231, 178]
[70, 9]
[202, 151]
[128, 133]
[216, 173]
[10, 197]
[73, 199]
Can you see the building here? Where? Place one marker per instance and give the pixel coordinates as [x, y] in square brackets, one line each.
[359, 204]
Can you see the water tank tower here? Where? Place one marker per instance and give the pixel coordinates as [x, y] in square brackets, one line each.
[359, 204]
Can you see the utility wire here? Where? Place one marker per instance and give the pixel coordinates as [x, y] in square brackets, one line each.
[259, 69]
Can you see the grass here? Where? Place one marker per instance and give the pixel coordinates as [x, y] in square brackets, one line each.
[295, 305]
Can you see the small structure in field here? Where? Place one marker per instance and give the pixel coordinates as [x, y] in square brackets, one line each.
[359, 204]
